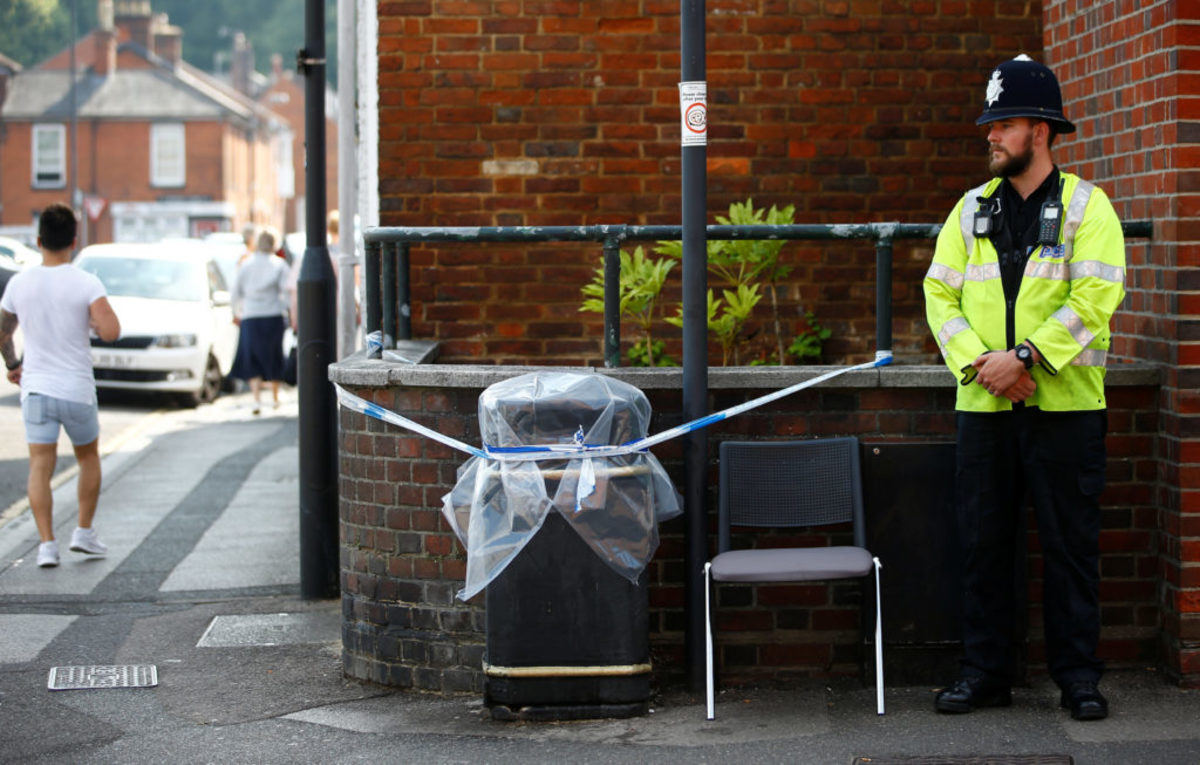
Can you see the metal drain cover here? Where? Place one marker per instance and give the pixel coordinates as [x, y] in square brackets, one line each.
[272, 629]
[103, 676]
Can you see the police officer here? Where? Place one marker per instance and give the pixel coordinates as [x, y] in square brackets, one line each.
[1027, 273]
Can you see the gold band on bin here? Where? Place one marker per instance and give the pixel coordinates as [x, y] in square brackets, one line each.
[607, 670]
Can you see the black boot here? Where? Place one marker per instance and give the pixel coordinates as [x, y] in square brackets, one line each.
[1085, 701]
[971, 692]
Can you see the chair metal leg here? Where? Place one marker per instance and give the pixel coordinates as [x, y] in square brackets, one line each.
[708, 643]
[878, 642]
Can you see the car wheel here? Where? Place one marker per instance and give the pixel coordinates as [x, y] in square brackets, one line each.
[210, 385]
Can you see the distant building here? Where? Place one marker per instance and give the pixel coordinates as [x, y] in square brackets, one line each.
[282, 91]
[163, 149]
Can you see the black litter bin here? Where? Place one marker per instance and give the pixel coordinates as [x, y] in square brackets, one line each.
[561, 546]
[567, 637]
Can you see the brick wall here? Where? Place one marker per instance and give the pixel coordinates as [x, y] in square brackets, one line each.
[494, 112]
[1129, 74]
[401, 565]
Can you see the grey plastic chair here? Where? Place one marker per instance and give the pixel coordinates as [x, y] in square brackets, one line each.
[790, 484]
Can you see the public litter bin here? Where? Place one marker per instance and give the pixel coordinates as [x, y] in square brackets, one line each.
[560, 541]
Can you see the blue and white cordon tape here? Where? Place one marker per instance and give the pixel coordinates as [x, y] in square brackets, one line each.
[561, 451]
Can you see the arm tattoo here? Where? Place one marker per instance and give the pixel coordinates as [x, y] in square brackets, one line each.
[8, 326]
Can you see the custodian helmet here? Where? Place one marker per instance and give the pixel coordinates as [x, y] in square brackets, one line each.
[1021, 87]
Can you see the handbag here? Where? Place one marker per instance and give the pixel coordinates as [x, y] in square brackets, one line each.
[289, 367]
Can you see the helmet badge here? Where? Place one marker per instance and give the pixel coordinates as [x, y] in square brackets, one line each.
[995, 87]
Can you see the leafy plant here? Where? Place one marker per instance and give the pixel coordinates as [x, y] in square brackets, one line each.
[762, 255]
[749, 269]
[641, 283]
[654, 355]
[726, 319]
[807, 345]
[745, 263]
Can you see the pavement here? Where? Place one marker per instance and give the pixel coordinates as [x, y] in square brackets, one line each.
[201, 582]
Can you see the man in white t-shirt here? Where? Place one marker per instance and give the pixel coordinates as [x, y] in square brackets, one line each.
[56, 306]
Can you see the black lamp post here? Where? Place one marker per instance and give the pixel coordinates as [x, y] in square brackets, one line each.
[316, 327]
[695, 343]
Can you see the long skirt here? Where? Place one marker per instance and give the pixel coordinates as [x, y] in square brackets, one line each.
[260, 349]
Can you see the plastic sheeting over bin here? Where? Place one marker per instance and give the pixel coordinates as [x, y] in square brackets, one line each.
[614, 503]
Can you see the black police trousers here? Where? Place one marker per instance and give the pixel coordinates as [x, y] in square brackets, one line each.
[1057, 461]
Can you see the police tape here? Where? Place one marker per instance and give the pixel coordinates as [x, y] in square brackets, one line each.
[575, 451]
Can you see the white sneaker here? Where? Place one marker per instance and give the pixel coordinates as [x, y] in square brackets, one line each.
[86, 541]
[48, 554]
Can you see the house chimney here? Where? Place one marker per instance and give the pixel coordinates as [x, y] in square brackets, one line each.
[168, 40]
[134, 17]
[104, 14]
[241, 66]
[104, 40]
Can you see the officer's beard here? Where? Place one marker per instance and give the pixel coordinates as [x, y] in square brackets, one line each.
[1010, 165]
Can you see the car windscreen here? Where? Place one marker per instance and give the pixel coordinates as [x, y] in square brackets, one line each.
[149, 278]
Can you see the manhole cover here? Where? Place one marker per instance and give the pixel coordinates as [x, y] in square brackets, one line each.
[976, 759]
[103, 676]
[272, 629]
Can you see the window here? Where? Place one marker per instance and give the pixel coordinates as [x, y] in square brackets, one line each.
[167, 159]
[49, 156]
[284, 170]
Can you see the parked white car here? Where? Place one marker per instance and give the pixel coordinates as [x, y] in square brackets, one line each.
[177, 330]
[8, 269]
[228, 249]
[23, 256]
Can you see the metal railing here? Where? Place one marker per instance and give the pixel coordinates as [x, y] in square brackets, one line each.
[386, 266]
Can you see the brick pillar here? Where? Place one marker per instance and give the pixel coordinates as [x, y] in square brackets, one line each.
[1137, 106]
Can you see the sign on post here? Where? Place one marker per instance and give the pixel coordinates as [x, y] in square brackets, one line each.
[693, 113]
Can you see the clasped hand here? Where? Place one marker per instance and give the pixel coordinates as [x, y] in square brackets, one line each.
[1002, 374]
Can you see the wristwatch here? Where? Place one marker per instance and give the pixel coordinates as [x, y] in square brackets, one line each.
[1024, 355]
[15, 364]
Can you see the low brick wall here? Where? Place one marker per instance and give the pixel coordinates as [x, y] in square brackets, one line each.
[401, 565]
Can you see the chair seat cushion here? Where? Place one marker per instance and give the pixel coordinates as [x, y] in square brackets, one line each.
[796, 564]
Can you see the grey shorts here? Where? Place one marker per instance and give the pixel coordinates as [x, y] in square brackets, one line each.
[44, 414]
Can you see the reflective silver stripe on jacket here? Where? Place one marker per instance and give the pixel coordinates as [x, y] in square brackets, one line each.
[942, 273]
[1075, 326]
[1074, 217]
[982, 272]
[966, 220]
[1108, 273]
[1046, 269]
[949, 330]
[1090, 358]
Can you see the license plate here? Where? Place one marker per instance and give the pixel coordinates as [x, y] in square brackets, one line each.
[112, 361]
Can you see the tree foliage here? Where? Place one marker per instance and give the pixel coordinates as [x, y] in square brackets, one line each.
[33, 30]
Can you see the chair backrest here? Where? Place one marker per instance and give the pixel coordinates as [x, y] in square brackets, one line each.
[778, 484]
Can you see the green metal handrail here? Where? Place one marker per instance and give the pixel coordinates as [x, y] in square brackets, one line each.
[386, 267]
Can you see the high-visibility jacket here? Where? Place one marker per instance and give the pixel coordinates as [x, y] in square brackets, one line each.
[1067, 297]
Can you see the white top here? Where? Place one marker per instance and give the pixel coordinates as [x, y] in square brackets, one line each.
[52, 305]
[261, 287]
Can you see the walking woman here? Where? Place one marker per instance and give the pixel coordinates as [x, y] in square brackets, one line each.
[260, 301]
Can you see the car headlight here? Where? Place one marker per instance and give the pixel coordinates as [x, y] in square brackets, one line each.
[175, 341]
